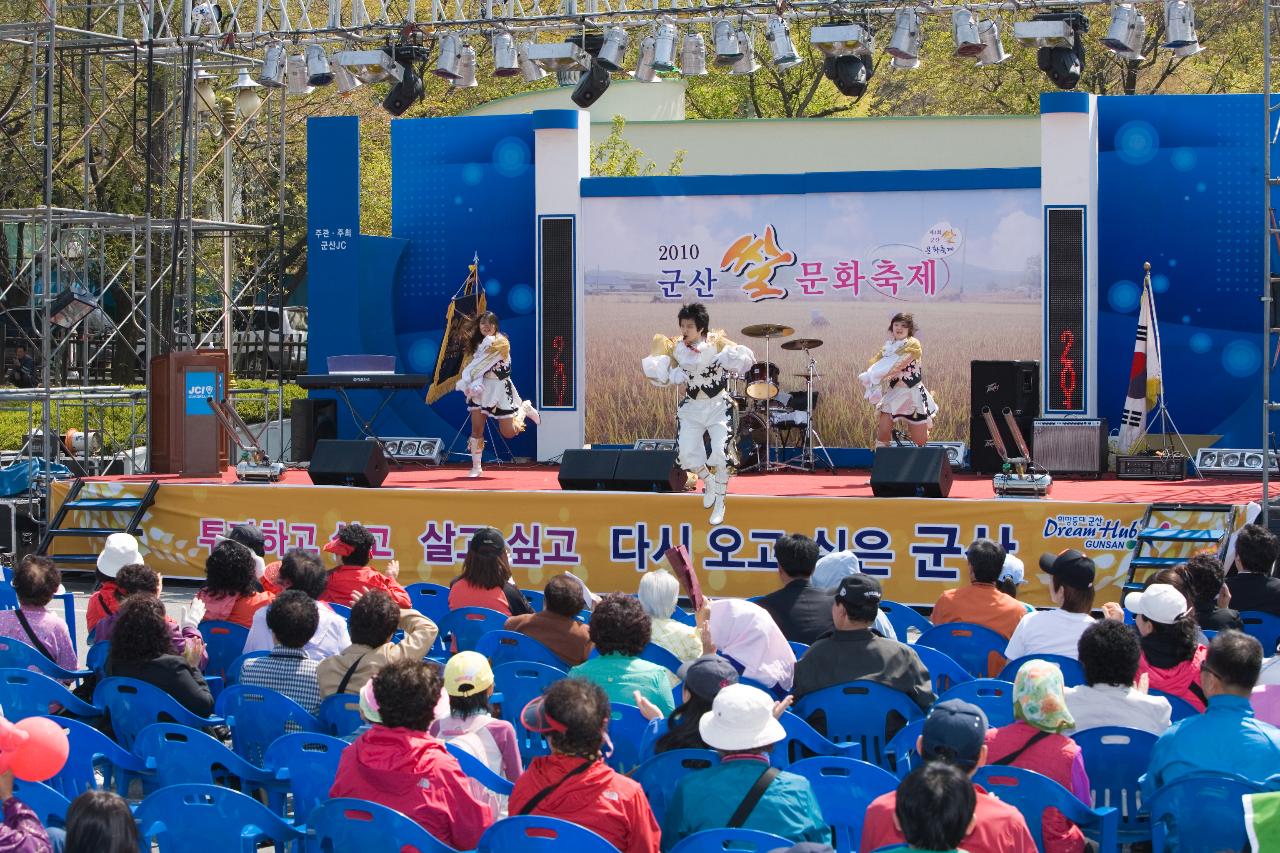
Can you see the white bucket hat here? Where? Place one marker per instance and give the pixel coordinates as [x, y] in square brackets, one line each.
[834, 567]
[120, 550]
[1160, 602]
[1013, 570]
[741, 717]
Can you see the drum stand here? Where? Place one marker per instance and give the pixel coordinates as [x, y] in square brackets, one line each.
[769, 465]
[808, 459]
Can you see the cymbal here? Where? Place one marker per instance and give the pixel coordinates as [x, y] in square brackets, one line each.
[802, 344]
[806, 376]
[768, 330]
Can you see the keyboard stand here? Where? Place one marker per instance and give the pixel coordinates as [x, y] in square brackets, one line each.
[366, 425]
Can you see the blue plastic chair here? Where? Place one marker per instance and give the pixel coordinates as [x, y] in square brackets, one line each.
[804, 741]
[224, 641]
[341, 609]
[340, 714]
[655, 653]
[429, 599]
[626, 729]
[519, 684]
[661, 775]
[1115, 758]
[259, 715]
[860, 712]
[902, 618]
[944, 672]
[467, 625]
[532, 833]
[993, 696]
[967, 644]
[684, 617]
[1181, 707]
[1264, 627]
[304, 766]
[1031, 793]
[901, 751]
[1072, 671]
[133, 705]
[1200, 812]
[199, 818]
[15, 654]
[536, 598]
[237, 666]
[91, 753]
[799, 649]
[24, 693]
[720, 840]
[49, 805]
[844, 788]
[179, 755]
[96, 657]
[343, 824]
[508, 646]
[476, 769]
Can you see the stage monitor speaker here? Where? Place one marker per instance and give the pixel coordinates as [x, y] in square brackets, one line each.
[309, 422]
[908, 472]
[1077, 446]
[648, 471]
[348, 463]
[592, 84]
[983, 456]
[1001, 385]
[587, 470]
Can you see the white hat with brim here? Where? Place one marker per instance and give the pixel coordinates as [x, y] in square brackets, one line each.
[741, 718]
[1160, 602]
[120, 550]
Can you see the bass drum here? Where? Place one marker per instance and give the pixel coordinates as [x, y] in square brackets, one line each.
[747, 447]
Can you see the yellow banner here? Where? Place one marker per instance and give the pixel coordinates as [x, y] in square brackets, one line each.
[915, 546]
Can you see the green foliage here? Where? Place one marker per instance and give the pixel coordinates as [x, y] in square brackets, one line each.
[617, 158]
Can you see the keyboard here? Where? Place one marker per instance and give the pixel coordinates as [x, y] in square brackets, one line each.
[364, 380]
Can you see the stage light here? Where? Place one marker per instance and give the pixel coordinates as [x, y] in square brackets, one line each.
[529, 70]
[319, 73]
[205, 19]
[592, 85]
[1045, 31]
[555, 56]
[1062, 64]
[905, 64]
[405, 92]
[850, 73]
[1188, 50]
[272, 72]
[778, 34]
[613, 52]
[905, 44]
[992, 48]
[71, 306]
[347, 82]
[506, 59]
[746, 64]
[1125, 33]
[838, 39]
[664, 44]
[466, 78]
[368, 66]
[725, 38]
[206, 97]
[296, 75]
[693, 56]
[568, 76]
[248, 102]
[1180, 24]
[449, 57]
[964, 32]
[1223, 461]
[645, 72]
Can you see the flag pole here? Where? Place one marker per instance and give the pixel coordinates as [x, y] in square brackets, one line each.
[1162, 410]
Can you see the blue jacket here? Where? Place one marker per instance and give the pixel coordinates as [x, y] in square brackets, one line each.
[1225, 739]
[708, 798]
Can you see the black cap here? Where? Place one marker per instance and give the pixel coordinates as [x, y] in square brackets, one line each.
[955, 730]
[251, 537]
[488, 539]
[705, 676]
[1070, 568]
[859, 588]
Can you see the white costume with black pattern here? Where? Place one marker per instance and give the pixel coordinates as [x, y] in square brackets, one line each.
[486, 379]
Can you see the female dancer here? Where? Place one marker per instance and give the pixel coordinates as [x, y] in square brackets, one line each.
[486, 382]
[699, 360]
[894, 383]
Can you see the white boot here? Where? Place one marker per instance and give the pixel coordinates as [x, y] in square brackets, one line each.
[476, 446]
[721, 488]
[708, 488]
[530, 412]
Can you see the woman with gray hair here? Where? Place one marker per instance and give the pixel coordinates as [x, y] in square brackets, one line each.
[658, 592]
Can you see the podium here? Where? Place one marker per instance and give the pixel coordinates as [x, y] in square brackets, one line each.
[186, 438]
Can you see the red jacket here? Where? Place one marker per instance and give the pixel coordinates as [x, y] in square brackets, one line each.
[611, 805]
[345, 580]
[414, 774]
[997, 827]
[101, 604]
[1054, 757]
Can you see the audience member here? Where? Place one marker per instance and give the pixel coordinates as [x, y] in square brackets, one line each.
[954, 734]
[1227, 739]
[120, 550]
[1252, 586]
[854, 653]
[1012, 576]
[468, 679]
[1211, 595]
[486, 577]
[230, 592]
[353, 546]
[1034, 741]
[397, 764]
[744, 632]
[741, 726]
[100, 822]
[1171, 656]
[1110, 656]
[620, 631]
[142, 648]
[35, 581]
[556, 626]
[304, 572]
[375, 618]
[980, 603]
[935, 808]
[835, 566]
[573, 783]
[1057, 631]
[21, 830]
[252, 537]
[801, 609]
[659, 590]
[138, 579]
[292, 619]
[702, 680]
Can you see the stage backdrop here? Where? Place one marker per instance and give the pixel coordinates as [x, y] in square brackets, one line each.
[835, 257]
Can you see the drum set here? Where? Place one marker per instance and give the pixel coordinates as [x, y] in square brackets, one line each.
[767, 418]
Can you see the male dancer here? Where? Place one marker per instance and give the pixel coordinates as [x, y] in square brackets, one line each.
[699, 360]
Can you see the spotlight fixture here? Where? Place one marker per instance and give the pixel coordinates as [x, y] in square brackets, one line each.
[851, 73]
[1062, 64]
[664, 44]
[506, 59]
[347, 82]
[1052, 30]
[248, 102]
[449, 57]
[746, 63]
[407, 91]
[645, 72]
[568, 76]
[725, 39]
[993, 52]
[591, 86]
[466, 78]
[838, 39]
[1126, 31]
[319, 72]
[1180, 24]
[964, 32]
[613, 52]
[296, 75]
[205, 19]
[1213, 460]
[905, 44]
[693, 56]
[206, 97]
[555, 56]
[368, 66]
[905, 64]
[272, 72]
[530, 71]
[1188, 50]
[778, 34]
[71, 306]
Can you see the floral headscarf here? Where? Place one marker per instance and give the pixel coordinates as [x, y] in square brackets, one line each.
[1038, 697]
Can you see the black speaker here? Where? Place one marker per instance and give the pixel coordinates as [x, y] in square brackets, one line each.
[587, 470]
[983, 456]
[310, 421]
[648, 471]
[348, 463]
[591, 85]
[911, 472]
[1001, 385]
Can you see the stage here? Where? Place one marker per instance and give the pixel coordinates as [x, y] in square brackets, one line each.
[423, 517]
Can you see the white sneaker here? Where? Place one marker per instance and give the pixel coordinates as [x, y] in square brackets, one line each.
[530, 412]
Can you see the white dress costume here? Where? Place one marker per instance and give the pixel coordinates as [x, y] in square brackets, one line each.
[486, 380]
[706, 409]
[899, 393]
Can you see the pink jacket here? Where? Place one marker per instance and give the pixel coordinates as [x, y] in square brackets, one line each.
[1177, 681]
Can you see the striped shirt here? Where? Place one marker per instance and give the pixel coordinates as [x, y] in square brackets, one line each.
[287, 671]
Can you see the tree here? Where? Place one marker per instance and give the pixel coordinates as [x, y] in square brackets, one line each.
[616, 157]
